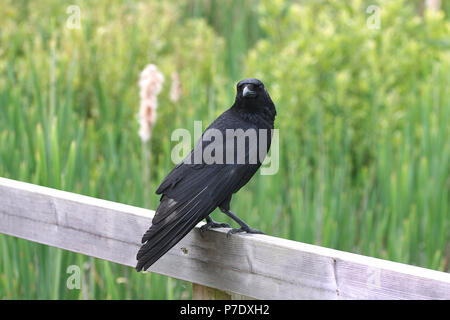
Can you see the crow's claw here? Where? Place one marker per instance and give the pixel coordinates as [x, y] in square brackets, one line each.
[212, 224]
[248, 230]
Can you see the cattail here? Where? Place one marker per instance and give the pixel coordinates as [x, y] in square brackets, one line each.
[433, 4]
[175, 89]
[150, 84]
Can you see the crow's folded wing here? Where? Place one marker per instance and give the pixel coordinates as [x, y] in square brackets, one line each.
[190, 193]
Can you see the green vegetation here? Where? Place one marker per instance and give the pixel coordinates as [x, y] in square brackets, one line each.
[363, 116]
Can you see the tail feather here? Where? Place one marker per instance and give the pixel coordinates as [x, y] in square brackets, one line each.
[158, 233]
[175, 218]
[152, 252]
[161, 237]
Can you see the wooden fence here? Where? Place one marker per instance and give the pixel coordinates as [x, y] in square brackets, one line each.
[251, 266]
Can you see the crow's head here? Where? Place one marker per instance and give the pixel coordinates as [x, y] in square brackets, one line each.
[250, 89]
[251, 95]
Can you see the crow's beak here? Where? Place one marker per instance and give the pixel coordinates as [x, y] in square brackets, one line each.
[248, 93]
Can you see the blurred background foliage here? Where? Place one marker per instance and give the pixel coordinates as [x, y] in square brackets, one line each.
[363, 116]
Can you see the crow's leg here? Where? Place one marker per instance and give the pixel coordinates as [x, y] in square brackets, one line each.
[210, 223]
[244, 227]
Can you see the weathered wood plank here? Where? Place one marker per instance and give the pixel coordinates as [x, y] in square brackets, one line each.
[256, 266]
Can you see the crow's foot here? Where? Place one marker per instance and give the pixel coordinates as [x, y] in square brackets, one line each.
[212, 224]
[244, 229]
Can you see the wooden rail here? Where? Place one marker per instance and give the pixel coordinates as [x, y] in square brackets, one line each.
[256, 266]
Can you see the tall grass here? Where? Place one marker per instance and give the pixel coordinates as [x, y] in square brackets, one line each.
[361, 180]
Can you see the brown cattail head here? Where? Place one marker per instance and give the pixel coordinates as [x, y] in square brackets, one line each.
[150, 84]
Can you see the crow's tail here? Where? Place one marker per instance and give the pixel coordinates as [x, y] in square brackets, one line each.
[171, 223]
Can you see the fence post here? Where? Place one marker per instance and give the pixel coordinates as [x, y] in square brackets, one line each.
[200, 292]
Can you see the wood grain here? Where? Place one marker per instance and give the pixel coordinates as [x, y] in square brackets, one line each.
[256, 266]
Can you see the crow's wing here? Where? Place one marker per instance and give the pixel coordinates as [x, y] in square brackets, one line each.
[186, 202]
[190, 192]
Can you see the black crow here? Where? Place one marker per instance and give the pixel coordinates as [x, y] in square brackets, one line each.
[194, 188]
